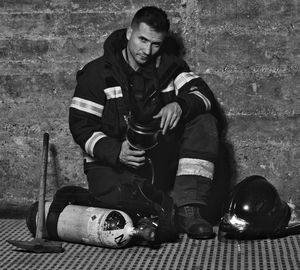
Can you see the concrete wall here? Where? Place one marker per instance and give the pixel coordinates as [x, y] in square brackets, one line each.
[247, 51]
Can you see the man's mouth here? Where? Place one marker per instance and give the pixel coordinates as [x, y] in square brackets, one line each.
[144, 57]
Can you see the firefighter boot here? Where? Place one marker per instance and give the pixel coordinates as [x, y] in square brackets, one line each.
[190, 221]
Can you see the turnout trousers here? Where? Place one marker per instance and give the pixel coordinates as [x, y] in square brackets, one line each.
[182, 164]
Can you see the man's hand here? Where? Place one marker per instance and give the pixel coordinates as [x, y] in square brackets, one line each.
[170, 116]
[131, 157]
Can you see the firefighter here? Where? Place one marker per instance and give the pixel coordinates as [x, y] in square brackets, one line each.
[140, 78]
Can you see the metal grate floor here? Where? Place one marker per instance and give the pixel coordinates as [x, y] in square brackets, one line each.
[281, 253]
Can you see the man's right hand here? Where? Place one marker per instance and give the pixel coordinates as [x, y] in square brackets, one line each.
[131, 157]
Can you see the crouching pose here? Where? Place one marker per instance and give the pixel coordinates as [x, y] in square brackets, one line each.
[139, 80]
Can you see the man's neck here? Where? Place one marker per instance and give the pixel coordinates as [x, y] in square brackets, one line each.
[129, 60]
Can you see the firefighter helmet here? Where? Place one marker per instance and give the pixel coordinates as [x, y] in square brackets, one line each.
[254, 210]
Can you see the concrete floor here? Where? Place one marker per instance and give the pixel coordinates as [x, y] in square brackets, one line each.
[283, 253]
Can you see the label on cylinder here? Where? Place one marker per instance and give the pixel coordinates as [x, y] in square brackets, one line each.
[93, 227]
[110, 228]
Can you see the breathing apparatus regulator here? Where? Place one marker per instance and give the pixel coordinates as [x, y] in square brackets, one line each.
[142, 137]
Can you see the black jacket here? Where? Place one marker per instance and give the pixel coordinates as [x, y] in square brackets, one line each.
[104, 97]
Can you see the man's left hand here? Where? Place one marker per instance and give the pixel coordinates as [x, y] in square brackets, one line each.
[170, 116]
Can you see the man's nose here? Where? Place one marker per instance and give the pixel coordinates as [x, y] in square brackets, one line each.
[147, 49]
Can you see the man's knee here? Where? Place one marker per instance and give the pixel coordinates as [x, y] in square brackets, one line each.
[103, 184]
[200, 139]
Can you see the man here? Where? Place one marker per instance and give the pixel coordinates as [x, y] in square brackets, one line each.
[138, 78]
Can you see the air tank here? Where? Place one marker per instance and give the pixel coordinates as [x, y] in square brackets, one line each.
[94, 226]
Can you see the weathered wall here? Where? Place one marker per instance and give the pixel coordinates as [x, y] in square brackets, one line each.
[247, 51]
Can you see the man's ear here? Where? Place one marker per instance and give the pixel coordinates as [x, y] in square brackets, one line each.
[128, 33]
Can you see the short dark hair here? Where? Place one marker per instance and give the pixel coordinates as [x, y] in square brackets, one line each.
[153, 16]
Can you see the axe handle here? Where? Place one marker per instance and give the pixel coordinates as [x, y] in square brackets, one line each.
[43, 180]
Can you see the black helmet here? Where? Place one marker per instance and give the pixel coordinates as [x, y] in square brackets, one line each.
[254, 210]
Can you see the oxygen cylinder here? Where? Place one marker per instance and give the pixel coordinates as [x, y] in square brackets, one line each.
[94, 226]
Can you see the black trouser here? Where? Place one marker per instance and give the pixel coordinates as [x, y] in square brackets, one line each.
[183, 163]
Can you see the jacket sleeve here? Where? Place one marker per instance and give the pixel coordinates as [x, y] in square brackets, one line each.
[192, 93]
[85, 116]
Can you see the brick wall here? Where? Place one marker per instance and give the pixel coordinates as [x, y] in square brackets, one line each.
[247, 51]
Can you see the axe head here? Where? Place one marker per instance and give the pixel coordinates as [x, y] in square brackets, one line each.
[38, 245]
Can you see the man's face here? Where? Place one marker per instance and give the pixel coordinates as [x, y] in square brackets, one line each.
[143, 43]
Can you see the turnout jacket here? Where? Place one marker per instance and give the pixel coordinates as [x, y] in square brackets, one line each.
[103, 98]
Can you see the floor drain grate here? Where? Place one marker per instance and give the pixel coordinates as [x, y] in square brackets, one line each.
[266, 254]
